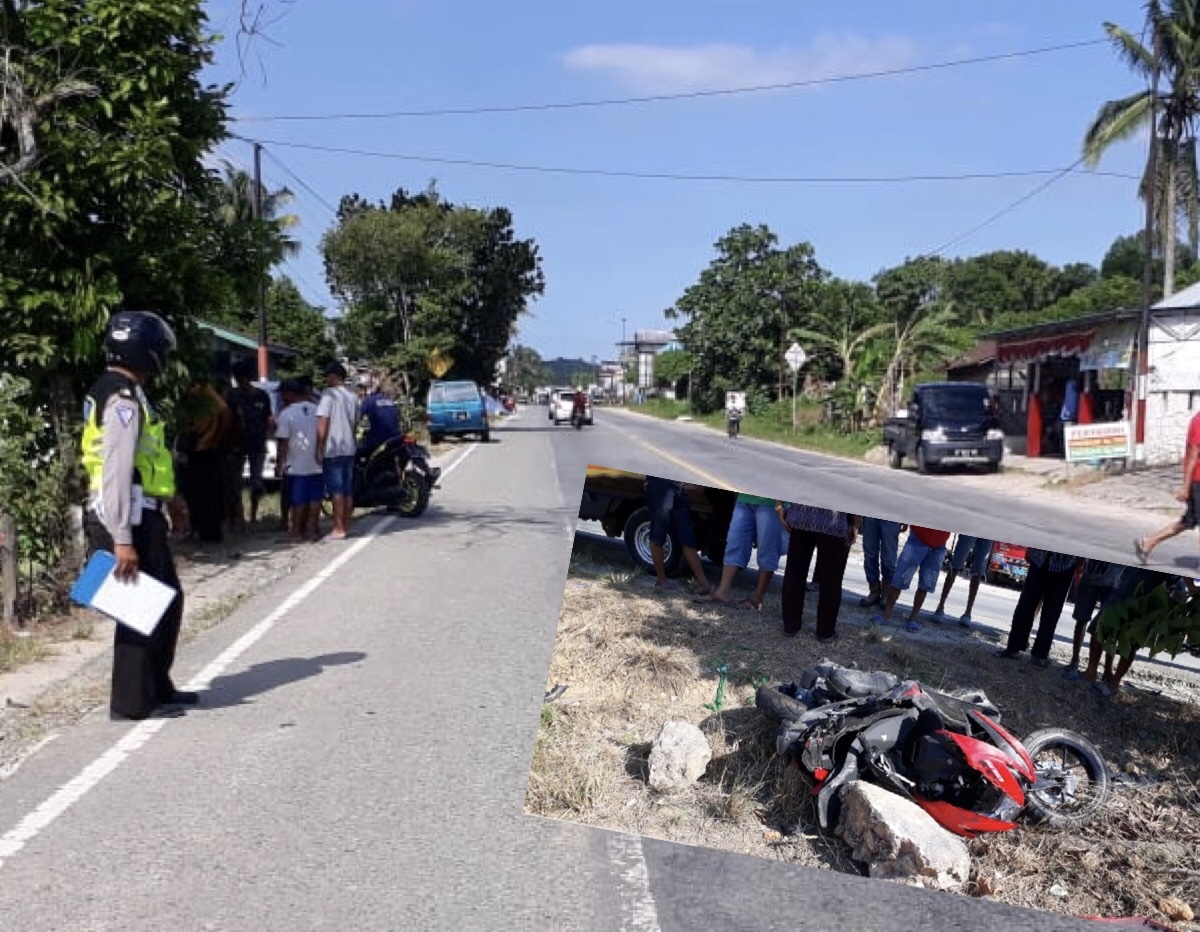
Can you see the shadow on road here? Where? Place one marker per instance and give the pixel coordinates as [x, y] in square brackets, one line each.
[238, 688]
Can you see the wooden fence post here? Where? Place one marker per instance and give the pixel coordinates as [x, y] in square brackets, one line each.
[8, 568]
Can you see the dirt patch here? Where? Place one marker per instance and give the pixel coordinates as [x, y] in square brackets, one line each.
[633, 658]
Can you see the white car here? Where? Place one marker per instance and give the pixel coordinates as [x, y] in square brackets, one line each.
[562, 403]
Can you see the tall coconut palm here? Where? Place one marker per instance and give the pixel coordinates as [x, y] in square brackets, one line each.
[237, 207]
[1173, 51]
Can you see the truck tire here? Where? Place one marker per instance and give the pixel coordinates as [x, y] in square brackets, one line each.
[637, 543]
[922, 462]
[895, 457]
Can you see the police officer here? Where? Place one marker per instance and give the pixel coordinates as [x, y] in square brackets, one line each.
[131, 484]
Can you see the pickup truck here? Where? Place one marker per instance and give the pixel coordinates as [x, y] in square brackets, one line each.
[617, 499]
[946, 423]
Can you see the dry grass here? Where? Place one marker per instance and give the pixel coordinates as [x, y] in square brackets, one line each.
[634, 658]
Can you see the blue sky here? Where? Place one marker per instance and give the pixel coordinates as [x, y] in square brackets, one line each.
[615, 247]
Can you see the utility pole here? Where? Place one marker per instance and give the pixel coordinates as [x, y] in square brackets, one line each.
[264, 365]
[624, 359]
[1143, 340]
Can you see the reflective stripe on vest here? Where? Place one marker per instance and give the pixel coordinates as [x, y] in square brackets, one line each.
[152, 459]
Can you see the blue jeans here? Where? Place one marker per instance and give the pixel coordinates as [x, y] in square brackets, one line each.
[669, 509]
[754, 524]
[917, 557]
[881, 542]
[979, 552]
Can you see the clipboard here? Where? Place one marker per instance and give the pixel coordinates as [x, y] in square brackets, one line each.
[139, 605]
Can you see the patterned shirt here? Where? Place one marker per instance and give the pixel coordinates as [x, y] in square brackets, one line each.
[817, 520]
[1051, 560]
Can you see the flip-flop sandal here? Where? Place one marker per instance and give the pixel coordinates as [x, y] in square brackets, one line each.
[1140, 549]
[669, 587]
[750, 604]
[711, 599]
[912, 627]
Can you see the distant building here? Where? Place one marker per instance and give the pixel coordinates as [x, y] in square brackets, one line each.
[641, 351]
[227, 347]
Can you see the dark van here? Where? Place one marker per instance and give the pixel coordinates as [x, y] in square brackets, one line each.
[946, 424]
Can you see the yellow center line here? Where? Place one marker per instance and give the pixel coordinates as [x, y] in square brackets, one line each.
[708, 477]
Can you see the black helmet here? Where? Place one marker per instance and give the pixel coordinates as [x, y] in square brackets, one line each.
[139, 340]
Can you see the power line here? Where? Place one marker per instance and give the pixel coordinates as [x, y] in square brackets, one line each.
[1062, 173]
[679, 176]
[682, 95]
[300, 181]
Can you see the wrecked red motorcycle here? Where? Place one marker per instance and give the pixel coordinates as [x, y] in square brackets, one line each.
[946, 752]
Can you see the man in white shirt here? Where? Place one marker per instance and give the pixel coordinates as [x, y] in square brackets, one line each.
[296, 460]
[338, 413]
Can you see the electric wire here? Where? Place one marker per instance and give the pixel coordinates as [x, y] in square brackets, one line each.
[681, 176]
[680, 95]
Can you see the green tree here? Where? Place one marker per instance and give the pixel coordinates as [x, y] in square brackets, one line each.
[292, 321]
[526, 369]
[846, 321]
[1173, 50]
[924, 325]
[1000, 282]
[422, 275]
[740, 312]
[672, 366]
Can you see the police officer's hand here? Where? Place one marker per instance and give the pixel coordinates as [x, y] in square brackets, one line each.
[127, 562]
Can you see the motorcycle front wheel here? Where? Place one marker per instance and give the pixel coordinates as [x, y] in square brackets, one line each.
[1072, 779]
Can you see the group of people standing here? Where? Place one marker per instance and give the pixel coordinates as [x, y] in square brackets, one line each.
[773, 527]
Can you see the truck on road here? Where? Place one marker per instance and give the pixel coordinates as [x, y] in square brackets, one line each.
[946, 424]
[617, 500]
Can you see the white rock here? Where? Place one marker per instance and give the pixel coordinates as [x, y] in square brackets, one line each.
[679, 757]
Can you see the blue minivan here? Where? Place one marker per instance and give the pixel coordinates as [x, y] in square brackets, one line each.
[456, 408]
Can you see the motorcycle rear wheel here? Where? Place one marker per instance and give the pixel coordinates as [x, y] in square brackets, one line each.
[778, 704]
[1076, 784]
[412, 496]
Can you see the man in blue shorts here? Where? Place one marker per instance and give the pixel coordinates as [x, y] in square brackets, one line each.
[296, 462]
[338, 414]
[971, 555]
[754, 525]
[670, 511]
[924, 551]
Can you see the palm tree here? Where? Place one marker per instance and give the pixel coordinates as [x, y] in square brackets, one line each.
[1174, 55]
[237, 207]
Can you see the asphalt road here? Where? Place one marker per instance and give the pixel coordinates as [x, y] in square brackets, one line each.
[361, 758]
[689, 451]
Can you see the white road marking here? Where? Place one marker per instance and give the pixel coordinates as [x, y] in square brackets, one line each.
[639, 913]
[137, 737]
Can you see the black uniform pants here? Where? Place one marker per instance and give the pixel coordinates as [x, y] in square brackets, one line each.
[141, 673]
[1050, 590]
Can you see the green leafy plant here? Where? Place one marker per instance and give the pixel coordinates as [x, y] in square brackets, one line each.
[1150, 620]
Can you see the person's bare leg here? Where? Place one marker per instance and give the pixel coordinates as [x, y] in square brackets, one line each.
[1148, 544]
[1113, 680]
[722, 593]
[660, 565]
[946, 586]
[696, 566]
[889, 602]
[918, 601]
[760, 589]
[1095, 649]
[972, 591]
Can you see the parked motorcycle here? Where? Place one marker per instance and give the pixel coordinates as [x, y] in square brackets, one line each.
[946, 752]
[395, 474]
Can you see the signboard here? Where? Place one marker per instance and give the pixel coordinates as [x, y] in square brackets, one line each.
[795, 357]
[1085, 442]
[439, 363]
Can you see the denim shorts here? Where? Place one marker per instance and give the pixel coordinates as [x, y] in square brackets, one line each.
[918, 556]
[306, 490]
[339, 475]
[669, 508]
[754, 525]
[979, 551]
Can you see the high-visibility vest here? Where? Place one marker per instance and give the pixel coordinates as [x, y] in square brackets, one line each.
[153, 465]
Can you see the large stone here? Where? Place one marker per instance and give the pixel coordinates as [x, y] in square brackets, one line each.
[900, 841]
[678, 757]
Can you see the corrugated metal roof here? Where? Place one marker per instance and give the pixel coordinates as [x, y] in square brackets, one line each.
[1189, 297]
[238, 339]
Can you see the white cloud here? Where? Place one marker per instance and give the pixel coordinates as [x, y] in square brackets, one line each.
[657, 69]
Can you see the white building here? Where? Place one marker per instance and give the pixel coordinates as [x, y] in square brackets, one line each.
[1173, 390]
